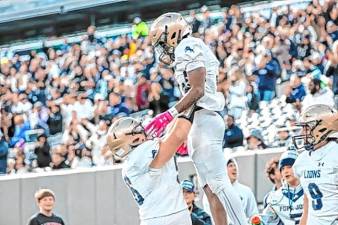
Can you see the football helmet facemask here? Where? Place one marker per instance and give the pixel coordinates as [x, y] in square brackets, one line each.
[124, 135]
[319, 122]
[165, 34]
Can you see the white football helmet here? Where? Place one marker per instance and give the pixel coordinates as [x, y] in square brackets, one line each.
[165, 34]
[125, 134]
[319, 123]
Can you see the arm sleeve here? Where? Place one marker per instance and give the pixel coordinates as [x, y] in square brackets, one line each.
[189, 57]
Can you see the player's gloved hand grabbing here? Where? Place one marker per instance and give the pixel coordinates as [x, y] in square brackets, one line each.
[158, 124]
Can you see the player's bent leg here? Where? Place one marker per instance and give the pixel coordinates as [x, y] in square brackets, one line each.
[205, 143]
[216, 207]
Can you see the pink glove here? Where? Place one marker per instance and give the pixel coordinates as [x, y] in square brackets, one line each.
[158, 124]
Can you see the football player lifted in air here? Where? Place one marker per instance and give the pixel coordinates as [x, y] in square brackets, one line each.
[317, 166]
[196, 71]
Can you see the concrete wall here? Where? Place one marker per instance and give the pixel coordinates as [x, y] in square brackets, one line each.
[97, 196]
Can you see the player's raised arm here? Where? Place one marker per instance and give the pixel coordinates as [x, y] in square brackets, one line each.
[196, 80]
[171, 142]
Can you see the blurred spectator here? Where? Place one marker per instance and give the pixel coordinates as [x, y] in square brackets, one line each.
[255, 140]
[86, 160]
[317, 95]
[157, 103]
[273, 174]
[268, 70]
[58, 159]
[140, 28]
[245, 193]
[20, 128]
[233, 135]
[198, 216]
[42, 151]
[55, 120]
[236, 96]
[207, 21]
[116, 106]
[332, 69]
[252, 100]
[283, 136]
[3, 154]
[194, 22]
[295, 93]
[142, 92]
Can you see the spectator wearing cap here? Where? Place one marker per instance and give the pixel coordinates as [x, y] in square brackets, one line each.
[317, 95]
[198, 216]
[245, 193]
[255, 140]
[42, 152]
[233, 135]
[139, 28]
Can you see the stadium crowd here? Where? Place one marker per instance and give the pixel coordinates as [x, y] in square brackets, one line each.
[57, 103]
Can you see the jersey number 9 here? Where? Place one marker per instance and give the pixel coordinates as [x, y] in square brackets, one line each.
[316, 196]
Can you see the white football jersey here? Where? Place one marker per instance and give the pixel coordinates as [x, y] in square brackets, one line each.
[318, 174]
[156, 191]
[191, 53]
[284, 205]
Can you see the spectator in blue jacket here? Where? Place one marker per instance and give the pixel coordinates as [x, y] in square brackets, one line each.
[297, 90]
[3, 154]
[21, 126]
[268, 70]
[233, 135]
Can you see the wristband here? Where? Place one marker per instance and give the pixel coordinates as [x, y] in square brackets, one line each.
[173, 112]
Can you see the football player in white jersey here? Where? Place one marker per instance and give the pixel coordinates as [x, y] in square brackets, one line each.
[150, 170]
[196, 70]
[317, 167]
[285, 206]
